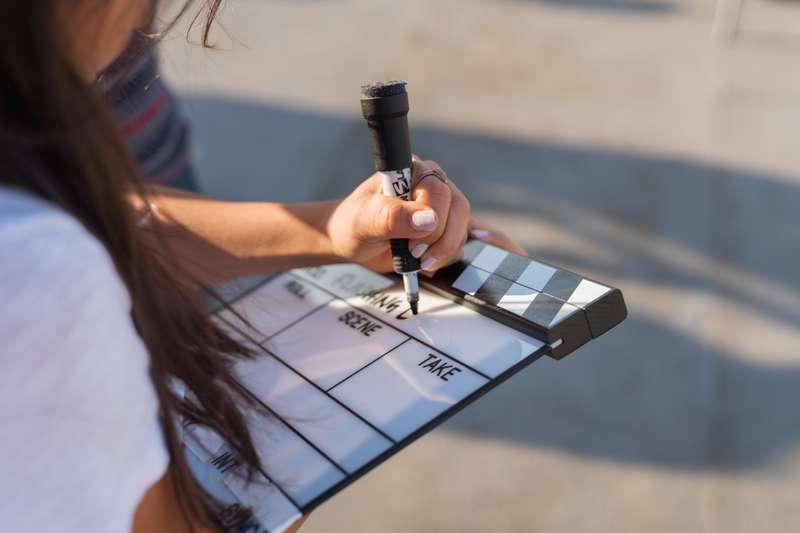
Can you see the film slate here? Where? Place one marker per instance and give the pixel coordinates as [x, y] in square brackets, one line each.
[347, 376]
[557, 306]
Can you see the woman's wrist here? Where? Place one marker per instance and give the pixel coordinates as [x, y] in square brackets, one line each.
[292, 236]
[311, 236]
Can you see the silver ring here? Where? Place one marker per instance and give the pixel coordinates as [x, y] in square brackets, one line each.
[436, 173]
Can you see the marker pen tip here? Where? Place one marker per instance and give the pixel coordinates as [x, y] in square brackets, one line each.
[414, 309]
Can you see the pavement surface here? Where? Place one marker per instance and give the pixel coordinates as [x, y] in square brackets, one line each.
[622, 139]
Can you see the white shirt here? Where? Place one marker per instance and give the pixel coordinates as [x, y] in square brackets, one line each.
[80, 441]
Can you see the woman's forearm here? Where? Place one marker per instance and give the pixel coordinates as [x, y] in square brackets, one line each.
[217, 240]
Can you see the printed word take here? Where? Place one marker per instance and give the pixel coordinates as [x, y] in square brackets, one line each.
[436, 365]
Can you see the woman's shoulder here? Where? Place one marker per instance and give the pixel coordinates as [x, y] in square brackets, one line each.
[60, 292]
[61, 300]
[40, 236]
[46, 252]
[54, 273]
[75, 393]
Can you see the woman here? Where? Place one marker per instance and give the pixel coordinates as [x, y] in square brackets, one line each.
[99, 278]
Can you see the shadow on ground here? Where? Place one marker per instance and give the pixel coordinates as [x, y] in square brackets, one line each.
[647, 392]
[617, 6]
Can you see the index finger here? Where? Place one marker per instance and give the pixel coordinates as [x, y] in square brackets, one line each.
[433, 193]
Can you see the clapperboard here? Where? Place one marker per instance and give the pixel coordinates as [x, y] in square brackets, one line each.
[562, 308]
[347, 376]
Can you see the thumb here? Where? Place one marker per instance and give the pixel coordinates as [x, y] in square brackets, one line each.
[385, 217]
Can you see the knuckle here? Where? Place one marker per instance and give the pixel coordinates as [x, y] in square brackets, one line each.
[437, 234]
[391, 218]
[436, 189]
[395, 219]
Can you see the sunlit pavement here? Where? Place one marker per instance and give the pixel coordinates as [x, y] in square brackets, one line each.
[618, 138]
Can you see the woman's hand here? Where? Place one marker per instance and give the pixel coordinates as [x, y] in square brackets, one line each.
[436, 221]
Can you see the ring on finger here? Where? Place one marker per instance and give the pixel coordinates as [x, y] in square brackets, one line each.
[436, 173]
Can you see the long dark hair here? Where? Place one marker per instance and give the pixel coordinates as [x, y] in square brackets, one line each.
[58, 141]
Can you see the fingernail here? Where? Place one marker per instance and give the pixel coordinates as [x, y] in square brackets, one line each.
[419, 250]
[424, 220]
[479, 233]
[428, 263]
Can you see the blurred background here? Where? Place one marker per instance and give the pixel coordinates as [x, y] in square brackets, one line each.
[651, 144]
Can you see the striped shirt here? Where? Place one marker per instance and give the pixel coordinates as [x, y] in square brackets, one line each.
[151, 121]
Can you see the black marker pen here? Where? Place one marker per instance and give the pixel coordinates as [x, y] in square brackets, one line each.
[385, 106]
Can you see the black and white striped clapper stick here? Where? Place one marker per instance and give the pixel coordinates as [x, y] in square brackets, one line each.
[385, 107]
[552, 304]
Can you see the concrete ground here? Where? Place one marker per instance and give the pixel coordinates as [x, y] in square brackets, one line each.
[619, 138]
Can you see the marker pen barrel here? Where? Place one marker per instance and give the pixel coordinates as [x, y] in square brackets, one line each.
[385, 108]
